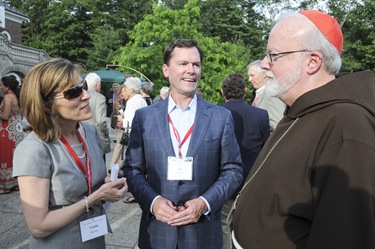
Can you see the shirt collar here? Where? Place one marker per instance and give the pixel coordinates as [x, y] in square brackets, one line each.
[261, 89]
[172, 105]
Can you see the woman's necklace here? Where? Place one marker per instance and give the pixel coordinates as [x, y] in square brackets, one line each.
[82, 155]
[78, 149]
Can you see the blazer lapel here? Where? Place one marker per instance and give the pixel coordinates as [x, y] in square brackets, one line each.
[201, 122]
[162, 127]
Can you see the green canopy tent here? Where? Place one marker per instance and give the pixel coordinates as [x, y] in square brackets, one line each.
[108, 75]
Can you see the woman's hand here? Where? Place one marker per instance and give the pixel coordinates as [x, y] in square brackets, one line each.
[110, 191]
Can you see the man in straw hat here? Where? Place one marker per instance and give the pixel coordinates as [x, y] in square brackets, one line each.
[313, 184]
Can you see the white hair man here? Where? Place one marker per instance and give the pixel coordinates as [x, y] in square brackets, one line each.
[130, 91]
[313, 183]
[134, 100]
[273, 105]
[164, 92]
[98, 106]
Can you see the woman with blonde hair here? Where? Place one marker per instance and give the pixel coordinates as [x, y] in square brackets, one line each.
[59, 165]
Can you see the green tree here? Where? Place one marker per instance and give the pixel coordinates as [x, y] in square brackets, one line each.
[149, 38]
[174, 4]
[234, 21]
[230, 20]
[106, 42]
[67, 22]
[357, 19]
[56, 27]
[120, 15]
[33, 33]
[70, 28]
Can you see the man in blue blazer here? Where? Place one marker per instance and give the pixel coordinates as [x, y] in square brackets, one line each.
[251, 126]
[183, 161]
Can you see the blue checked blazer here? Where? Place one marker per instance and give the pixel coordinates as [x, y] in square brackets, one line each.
[217, 173]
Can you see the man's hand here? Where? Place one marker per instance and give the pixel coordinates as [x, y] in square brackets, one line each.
[163, 209]
[190, 213]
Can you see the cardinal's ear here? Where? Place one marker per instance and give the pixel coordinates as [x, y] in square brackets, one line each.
[315, 62]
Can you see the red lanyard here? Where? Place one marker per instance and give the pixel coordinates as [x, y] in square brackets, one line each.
[87, 171]
[178, 135]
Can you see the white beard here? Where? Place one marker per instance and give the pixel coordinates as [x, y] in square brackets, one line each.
[277, 87]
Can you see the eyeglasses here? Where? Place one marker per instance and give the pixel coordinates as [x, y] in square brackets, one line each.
[75, 91]
[271, 56]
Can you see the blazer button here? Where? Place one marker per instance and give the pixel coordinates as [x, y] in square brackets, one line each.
[180, 183]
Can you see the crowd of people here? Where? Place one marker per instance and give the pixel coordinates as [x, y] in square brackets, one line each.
[292, 168]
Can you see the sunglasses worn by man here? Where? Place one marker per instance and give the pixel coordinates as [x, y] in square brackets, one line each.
[72, 92]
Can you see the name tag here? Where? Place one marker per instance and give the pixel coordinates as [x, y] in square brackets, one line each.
[180, 168]
[93, 227]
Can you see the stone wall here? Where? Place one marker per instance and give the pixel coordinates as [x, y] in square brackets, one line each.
[18, 59]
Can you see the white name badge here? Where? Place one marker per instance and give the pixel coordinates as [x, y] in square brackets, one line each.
[180, 168]
[93, 227]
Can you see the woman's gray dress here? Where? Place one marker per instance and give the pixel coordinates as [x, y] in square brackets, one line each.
[51, 160]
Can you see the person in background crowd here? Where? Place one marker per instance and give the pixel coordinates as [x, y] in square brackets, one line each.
[119, 109]
[164, 92]
[120, 105]
[112, 109]
[59, 165]
[313, 184]
[110, 98]
[134, 101]
[11, 133]
[251, 126]
[98, 108]
[182, 163]
[273, 105]
[146, 92]
[131, 93]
